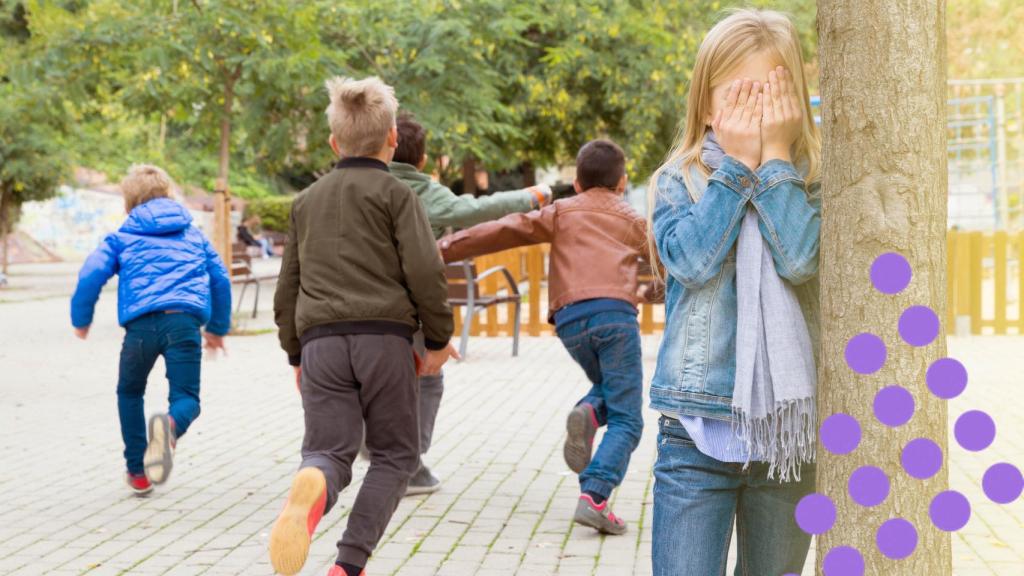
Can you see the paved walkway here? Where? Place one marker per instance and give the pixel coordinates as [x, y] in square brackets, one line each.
[507, 500]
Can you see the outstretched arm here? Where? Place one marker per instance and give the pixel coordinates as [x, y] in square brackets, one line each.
[98, 268]
[509, 232]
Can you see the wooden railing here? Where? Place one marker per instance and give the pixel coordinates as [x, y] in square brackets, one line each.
[984, 295]
[529, 266]
[985, 284]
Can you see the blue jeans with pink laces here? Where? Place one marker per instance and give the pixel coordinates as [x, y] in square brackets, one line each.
[607, 346]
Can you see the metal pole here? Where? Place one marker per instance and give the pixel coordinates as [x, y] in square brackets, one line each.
[1001, 183]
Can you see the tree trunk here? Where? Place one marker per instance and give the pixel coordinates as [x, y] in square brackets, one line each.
[222, 194]
[884, 190]
[469, 175]
[529, 173]
[4, 219]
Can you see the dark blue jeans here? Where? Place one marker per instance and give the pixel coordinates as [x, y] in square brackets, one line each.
[176, 337]
[607, 347]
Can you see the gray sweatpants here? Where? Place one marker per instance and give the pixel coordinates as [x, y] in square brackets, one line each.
[348, 381]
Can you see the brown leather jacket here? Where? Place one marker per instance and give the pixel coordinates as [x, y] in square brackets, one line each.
[596, 239]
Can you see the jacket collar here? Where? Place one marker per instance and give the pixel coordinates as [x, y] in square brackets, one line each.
[408, 171]
[361, 162]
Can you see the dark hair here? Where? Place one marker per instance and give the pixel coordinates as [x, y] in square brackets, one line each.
[600, 164]
[412, 140]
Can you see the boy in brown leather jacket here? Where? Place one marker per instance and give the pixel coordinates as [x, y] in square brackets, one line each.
[596, 243]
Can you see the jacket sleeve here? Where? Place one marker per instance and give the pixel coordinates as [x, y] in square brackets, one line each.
[220, 292]
[286, 296]
[422, 267]
[508, 232]
[790, 220]
[98, 268]
[693, 239]
[445, 208]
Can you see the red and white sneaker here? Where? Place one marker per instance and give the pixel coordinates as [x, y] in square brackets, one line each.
[598, 516]
[580, 427]
[139, 484]
[293, 531]
[159, 457]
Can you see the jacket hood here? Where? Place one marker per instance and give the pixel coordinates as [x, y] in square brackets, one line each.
[156, 217]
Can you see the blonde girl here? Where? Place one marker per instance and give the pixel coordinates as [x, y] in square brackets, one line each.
[735, 374]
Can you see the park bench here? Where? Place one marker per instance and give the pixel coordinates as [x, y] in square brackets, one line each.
[242, 273]
[464, 290]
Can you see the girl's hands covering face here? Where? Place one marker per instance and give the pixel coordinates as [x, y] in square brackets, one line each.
[782, 116]
[738, 125]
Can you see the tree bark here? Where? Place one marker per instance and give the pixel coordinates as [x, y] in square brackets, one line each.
[222, 194]
[4, 219]
[884, 189]
[469, 175]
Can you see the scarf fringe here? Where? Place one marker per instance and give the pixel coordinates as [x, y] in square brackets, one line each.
[784, 438]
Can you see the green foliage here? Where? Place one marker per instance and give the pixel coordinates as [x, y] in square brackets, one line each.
[274, 212]
[985, 38]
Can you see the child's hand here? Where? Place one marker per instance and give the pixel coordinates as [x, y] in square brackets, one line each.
[436, 359]
[738, 125]
[782, 118]
[82, 333]
[298, 378]
[214, 344]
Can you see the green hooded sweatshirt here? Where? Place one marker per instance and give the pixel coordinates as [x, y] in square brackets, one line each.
[445, 209]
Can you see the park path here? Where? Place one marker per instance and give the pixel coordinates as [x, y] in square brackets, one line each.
[507, 499]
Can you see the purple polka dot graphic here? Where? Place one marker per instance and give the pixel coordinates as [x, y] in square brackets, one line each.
[919, 326]
[868, 486]
[946, 378]
[890, 273]
[950, 511]
[843, 561]
[921, 458]
[974, 430]
[1003, 483]
[815, 513]
[865, 353]
[896, 538]
[840, 433]
[894, 406]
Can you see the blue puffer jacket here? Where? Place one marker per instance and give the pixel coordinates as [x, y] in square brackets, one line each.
[164, 263]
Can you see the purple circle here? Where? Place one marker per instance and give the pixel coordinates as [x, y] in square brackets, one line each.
[974, 430]
[894, 406]
[919, 326]
[921, 458]
[1003, 483]
[868, 486]
[843, 561]
[950, 511]
[865, 353]
[896, 538]
[840, 433]
[815, 513]
[946, 378]
[890, 273]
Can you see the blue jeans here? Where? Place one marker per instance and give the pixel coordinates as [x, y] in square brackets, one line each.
[176, 337]
[607, 347]
[696, 499]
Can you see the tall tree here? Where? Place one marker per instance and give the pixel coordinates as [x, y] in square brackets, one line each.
[883, 69]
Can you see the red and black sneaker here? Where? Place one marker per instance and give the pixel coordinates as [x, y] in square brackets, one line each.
[339, 571]
[581, 426]
[293, 531]
[139, 484]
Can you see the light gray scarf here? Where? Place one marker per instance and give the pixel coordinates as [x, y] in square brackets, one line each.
[773, 398]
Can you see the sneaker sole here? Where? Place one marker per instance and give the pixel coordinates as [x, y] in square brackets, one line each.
[290, 539]
[158, 459]
[417, 490]
[579, 440]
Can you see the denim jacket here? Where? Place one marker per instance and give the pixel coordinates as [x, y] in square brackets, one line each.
[697, 245]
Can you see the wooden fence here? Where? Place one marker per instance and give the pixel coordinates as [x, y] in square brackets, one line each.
[985, 288]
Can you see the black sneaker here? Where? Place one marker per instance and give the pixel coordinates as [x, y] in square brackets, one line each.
[580, 428]
[423, 482]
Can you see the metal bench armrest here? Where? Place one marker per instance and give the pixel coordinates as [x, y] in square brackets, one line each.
[505, 272]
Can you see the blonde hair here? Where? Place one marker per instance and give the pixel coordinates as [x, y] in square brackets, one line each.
[145, 182]
[361, 114]
[741, 34]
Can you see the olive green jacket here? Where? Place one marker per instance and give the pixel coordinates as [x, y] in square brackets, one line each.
[447, 210]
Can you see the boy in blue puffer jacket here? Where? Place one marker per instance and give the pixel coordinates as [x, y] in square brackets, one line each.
[172, 282]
